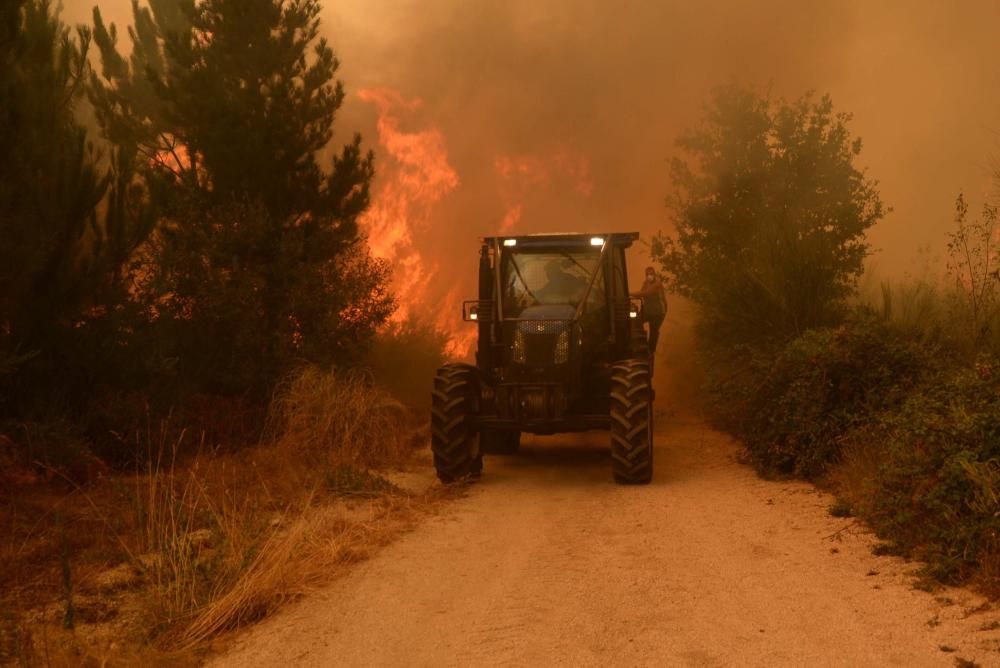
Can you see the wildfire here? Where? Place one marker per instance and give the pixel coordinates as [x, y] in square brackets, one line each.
[520, 174]
[415, 175]
[172, 156]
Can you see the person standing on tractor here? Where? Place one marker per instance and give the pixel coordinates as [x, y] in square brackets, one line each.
[654, 307]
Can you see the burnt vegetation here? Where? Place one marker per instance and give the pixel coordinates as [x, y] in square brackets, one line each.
[890, 397]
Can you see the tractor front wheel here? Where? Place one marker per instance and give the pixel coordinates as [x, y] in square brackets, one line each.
[631, 422]
[453, 437]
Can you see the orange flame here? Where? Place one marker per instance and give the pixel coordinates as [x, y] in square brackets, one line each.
[415, 176]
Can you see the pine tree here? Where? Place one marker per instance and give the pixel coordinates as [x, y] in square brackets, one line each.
[50, 184]
[225, 107]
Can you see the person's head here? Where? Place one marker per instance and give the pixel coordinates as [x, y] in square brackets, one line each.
[650, 274]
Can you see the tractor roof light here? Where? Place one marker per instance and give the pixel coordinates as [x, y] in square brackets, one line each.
[596, 241]
[510, 242]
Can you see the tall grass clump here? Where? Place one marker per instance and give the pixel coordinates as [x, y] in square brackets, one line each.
[225, 539]
[940, 314]
[339, 417]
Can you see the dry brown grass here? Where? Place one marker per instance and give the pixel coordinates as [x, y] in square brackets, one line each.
[855, 477]
[296, 558]
[222, 541]
[343, 416]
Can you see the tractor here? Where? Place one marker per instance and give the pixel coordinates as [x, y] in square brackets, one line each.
[560, 349]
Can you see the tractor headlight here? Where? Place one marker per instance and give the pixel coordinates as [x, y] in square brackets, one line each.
[562, 348]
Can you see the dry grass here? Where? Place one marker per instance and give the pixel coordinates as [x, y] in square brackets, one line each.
[222, 541]
[296, 558]
[855, 476]
[343, 416]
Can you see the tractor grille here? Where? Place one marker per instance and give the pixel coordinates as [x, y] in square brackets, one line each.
[540, 343]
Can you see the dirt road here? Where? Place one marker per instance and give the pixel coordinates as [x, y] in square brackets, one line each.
[547, 562]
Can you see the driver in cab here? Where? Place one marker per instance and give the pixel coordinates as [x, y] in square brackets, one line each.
[562, 287]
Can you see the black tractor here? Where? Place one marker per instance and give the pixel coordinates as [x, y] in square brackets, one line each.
[561, 349]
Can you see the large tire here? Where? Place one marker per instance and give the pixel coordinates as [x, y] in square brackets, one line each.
[631, 422]
[499, 441]
[453, 438]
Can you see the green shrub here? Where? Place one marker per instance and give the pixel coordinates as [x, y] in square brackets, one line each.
[937, 490]
[806, 396]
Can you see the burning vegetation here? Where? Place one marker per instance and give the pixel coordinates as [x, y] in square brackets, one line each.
[197, 267]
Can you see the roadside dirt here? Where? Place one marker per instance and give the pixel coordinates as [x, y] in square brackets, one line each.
[546, 562]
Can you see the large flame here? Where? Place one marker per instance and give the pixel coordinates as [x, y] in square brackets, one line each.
[415, 175]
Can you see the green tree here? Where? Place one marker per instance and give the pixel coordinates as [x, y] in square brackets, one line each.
[223, 111]
[770, 215]
[50, 184]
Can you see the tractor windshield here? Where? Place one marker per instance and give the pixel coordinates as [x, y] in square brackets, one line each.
[548, 277]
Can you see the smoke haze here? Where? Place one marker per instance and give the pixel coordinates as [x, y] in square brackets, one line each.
[561, 116]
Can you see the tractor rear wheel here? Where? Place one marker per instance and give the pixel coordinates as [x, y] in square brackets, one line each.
[499, 441]
[631, 422]
[453, 437]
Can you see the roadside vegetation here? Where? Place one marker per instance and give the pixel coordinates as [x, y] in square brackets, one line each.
[195, 346]
[891, 398]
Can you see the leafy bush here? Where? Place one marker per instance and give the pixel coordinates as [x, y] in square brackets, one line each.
[804, 397]
[907, 432]
[937, 489]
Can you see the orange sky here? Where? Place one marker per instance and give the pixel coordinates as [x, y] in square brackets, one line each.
[558, 84]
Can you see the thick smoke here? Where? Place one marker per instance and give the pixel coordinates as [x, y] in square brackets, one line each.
[613, 83]
[562, 115]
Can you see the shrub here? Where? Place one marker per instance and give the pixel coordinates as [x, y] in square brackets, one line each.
[807, 395]
[936, 494]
